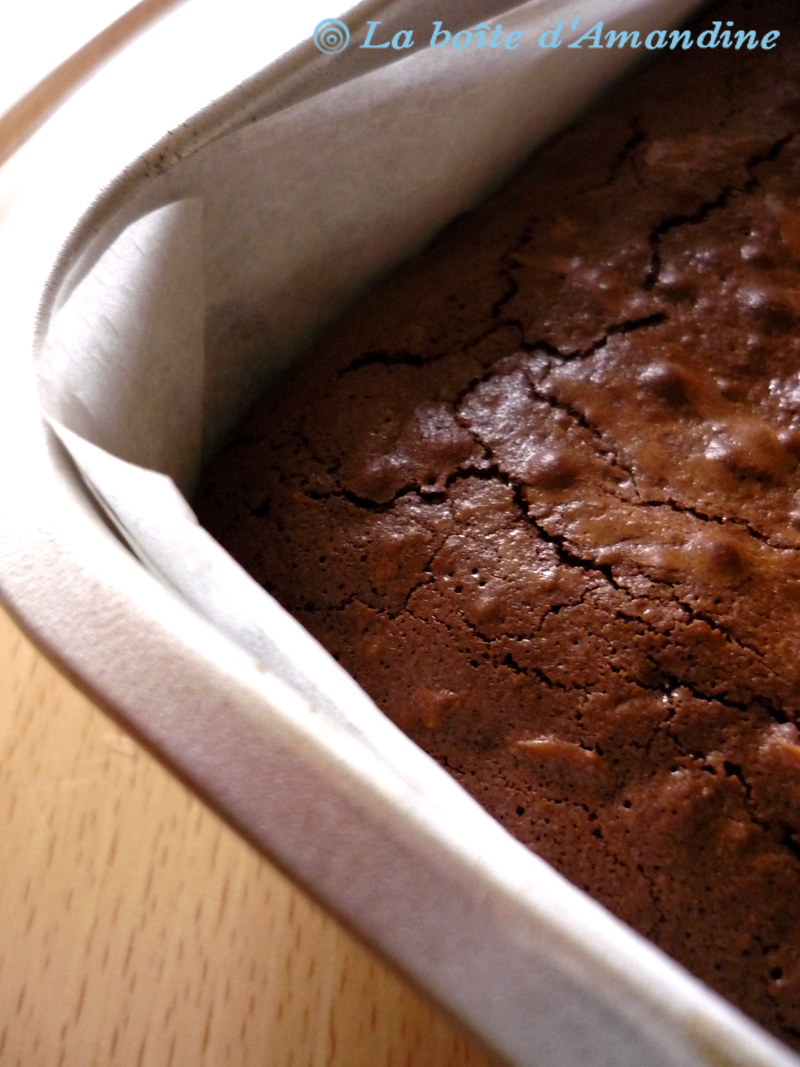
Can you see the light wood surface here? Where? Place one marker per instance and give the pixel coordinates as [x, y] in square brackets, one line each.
[136, 928]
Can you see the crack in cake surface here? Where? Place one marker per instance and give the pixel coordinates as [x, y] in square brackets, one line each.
[540, 494]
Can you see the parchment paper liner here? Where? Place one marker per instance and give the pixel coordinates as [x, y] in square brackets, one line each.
[162, 319]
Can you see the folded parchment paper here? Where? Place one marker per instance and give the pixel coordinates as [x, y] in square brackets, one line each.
[265, 235]
[211, 274]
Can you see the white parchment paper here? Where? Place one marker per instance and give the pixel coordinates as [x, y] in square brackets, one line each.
[215, 271]
[266, 234]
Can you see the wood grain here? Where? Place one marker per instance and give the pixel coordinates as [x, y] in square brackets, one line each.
[138, 929]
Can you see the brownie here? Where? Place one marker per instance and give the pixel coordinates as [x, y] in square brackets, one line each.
[540, 494]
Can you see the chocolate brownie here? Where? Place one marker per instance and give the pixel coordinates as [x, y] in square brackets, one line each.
[540, 494]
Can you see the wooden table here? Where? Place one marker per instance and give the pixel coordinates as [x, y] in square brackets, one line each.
[136, 928]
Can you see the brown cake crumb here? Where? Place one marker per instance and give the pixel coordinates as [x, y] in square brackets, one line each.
[540, 495]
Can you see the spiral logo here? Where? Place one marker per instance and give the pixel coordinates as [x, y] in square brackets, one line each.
[331, 36]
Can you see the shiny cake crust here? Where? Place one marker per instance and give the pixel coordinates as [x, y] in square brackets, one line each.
[540, 494]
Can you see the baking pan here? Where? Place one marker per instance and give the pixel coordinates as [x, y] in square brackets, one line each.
[195, 225]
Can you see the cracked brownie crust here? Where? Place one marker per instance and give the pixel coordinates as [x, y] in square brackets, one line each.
[540, 495]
